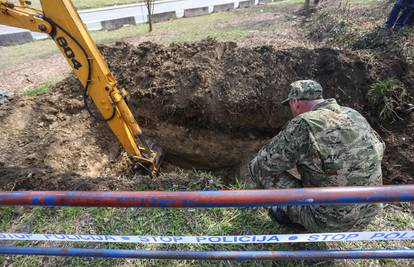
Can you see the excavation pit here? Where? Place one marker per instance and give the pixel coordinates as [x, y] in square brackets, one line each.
[210, 105]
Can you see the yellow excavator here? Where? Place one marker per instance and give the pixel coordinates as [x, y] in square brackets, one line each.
[61, 21]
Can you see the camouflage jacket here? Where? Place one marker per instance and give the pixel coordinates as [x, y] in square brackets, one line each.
[330, 145]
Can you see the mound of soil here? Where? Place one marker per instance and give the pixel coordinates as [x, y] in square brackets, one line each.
[210, 105]
[217, 86]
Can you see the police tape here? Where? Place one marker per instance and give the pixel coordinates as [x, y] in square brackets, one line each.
[240, 239]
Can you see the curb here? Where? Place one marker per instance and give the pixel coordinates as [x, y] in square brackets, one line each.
[93, 10]
[22, 37]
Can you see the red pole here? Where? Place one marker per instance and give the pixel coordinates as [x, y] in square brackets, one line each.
[210, 199]
[213, 255]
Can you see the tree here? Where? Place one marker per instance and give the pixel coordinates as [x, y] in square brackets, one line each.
[307, 5]
[150, 8]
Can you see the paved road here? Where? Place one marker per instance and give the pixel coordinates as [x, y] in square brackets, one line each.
[93, 17]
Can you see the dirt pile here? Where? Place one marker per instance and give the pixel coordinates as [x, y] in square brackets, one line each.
[210, 105]
[51, 136]
[218, 86]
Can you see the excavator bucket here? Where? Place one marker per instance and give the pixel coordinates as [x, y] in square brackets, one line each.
[150, 157]
[158, 158]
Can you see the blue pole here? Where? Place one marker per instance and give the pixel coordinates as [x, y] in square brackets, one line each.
[213, 255]
[212, 199]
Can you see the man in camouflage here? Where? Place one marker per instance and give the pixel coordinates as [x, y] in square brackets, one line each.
[329, 145]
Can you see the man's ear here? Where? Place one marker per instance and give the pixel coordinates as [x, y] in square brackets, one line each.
[296, 103]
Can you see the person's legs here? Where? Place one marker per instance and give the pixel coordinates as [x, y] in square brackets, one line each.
[406, 14]
[280, 214]
[333, 218]
[393, 16]
[318, 218]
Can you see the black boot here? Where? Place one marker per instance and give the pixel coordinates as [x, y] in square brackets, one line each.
[279, 216]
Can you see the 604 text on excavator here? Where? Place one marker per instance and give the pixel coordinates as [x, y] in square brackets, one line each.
[61, 21]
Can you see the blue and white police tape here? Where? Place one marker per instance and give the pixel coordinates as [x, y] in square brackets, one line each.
[241, 239]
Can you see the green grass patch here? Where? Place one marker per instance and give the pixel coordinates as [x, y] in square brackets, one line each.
[197, 28]
[6, 217]
[41, 49]
[12, 55]
[386, 96]
[42, 89]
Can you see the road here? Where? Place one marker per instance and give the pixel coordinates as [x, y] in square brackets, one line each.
[93, 17]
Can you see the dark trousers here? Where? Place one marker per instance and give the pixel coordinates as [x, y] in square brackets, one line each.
[399, 21]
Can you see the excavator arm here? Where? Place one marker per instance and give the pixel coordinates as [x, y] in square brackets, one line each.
[61, 21]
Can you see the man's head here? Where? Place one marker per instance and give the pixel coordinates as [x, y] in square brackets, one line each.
[303, 96]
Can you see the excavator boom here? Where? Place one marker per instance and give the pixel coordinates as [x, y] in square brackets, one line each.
[61, 21]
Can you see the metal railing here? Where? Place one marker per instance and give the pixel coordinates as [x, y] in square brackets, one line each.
[213, 199]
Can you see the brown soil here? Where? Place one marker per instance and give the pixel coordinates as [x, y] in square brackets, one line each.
[210, 105]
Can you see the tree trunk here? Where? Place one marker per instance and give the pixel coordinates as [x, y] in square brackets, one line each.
[307, 7]
[150, 9]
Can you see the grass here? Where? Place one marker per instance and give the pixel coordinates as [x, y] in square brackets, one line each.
[40, 49]
[387, 96]
[192, 29]
[43, 88]
[180, 30]
[136, 221]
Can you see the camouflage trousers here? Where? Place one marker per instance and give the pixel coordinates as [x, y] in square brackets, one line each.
[322, 218]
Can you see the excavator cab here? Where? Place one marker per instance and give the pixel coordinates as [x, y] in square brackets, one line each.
[61, 21]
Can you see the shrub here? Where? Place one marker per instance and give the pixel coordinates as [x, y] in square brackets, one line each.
[387, 96]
